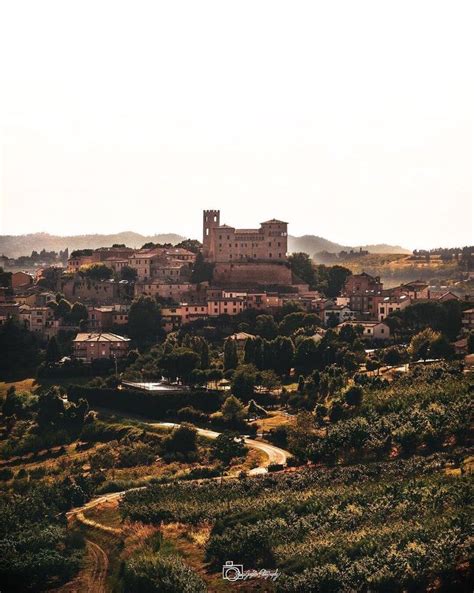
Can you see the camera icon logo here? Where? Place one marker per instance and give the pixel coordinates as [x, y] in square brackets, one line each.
[232, 572]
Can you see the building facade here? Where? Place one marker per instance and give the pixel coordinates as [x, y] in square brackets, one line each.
[92, 346]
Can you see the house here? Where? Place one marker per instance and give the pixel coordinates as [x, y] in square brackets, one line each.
[416, 290]
[240, 339]
[391, 304]
[37, 319]
[21, 280]
[176, 290]
[92, 346]
[468, 320]
[225, 306]
[105, 317]
[443, 295]
[336, 314]
[9, 310]
[174, 317]
[364, 292]
[375, 330]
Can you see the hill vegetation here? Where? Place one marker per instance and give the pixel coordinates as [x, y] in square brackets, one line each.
[20, 245]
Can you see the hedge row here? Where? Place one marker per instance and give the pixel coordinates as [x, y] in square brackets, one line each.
[155, 405]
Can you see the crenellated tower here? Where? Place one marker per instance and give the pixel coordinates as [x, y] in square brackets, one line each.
[210, 221]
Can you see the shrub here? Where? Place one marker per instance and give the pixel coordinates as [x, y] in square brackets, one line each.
[155, 573]
[6, 473]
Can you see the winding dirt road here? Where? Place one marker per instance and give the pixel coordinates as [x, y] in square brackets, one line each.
[274, 455]
[97, 580]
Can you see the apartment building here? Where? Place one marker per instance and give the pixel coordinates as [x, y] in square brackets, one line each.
[92, 346]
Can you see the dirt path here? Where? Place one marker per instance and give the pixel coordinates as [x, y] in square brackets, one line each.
[97, 573]
[93, 574]
[274, 455]
[100, 565]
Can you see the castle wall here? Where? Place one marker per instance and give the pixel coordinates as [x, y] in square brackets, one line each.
[252, 273]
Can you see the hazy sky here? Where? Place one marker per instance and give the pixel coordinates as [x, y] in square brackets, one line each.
[350, 120]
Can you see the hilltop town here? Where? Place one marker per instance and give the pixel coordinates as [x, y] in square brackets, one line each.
[231, 271]
[279, 400]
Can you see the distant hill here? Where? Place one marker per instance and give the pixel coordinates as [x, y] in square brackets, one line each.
[312, 244]
[17, 245]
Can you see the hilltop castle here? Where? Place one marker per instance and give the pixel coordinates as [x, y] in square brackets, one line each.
[254, 256]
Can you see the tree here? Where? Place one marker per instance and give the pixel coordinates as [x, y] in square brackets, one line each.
[302, 266]
[228, 445]
[98, 272]
[63, 309]
[470, 342]
[202, 270]
[128, 273]
[144, 320]
[420, 344]
[283, 354]
[78, 313]
[19, 349]
[51, 409]
[350, 333]
[268, 379]
[204, 354]
[180, 363]
[183, 439]
[266, 327]
[249, 351]
[306, 356]
[354, 395]
[336, 278]
[244, 380]
[190, 244]
[336, 411]
[233, 411]
[429, 343]
[231, 358]
[215, 375]
[441, 348]
[5, 278]
[394, 355]
[53, 351]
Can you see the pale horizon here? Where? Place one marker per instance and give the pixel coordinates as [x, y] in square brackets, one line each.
[351, 121]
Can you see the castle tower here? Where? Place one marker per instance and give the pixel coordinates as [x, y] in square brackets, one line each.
[210, 221]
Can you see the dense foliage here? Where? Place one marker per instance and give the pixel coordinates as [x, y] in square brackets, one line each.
[387, 526]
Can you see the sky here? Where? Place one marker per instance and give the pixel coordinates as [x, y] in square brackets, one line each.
[349, 120]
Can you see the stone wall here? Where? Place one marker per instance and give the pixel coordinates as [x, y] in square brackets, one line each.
[253, 273]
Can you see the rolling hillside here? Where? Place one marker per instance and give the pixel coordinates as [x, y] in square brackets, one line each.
[17, 245]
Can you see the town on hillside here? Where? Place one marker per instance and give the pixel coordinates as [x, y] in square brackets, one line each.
[230, 272]
[181, 417]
